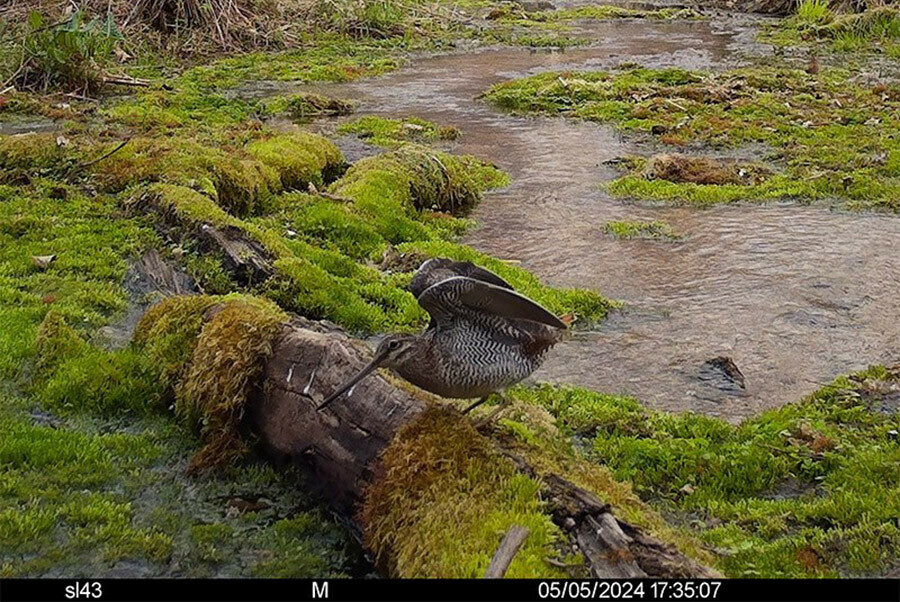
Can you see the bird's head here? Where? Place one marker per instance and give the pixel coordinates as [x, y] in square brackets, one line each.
[392, 351]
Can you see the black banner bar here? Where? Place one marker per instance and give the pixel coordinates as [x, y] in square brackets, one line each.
[439, 590]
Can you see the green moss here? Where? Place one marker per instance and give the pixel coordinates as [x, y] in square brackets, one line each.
[299, 158]
[241, 183]
[103, 383]
[392, 133]
[193, 342]
[795, 492]
[654, 229]
[234, 342]
[823, 129]
[34, 153]
[444, 501]
[293, 552]
[210, 541]
[393, 185]
[56, 341]
[199, 104]
[305, 106]
[168, 331]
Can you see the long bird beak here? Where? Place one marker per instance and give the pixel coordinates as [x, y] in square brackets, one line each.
[350, 383]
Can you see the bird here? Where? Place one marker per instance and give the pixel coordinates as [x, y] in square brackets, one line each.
[483, 336]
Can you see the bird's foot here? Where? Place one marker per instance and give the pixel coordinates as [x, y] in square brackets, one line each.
[492, 415]
[475, 405]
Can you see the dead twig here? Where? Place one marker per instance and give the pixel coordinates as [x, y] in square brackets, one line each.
[124, 80]
[106, 155]
[504, 555]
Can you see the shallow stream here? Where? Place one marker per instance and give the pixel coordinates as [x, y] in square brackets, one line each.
[794, 294]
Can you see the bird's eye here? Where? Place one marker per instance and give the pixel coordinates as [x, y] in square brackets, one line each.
[394, 345]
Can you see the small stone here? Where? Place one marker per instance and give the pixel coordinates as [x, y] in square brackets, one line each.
[569, 522]
[687, 489]
[893, 434]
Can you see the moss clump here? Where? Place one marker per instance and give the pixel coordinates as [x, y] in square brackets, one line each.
[168, 332]
[443, 501]
[697, 170]
[827, 131]
[306, 106]
[817, 479]
[392, 133]
[413, 178]
[211, 350]
[300, 158]
[238, 184]
[56, 341]
[874, 29]
[655, 230]
[33, 153]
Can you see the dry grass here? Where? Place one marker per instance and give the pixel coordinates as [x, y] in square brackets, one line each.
[188, 27]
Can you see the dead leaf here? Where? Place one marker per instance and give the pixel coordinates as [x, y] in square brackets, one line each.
[43, 261]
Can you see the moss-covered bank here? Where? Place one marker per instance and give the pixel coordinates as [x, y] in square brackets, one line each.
[826, 136]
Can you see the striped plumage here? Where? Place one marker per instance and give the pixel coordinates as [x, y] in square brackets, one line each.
[483, 336]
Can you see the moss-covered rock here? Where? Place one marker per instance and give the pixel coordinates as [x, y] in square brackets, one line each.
[416, 178]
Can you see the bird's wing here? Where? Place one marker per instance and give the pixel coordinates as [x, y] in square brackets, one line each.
[440, 268]
[457, 295]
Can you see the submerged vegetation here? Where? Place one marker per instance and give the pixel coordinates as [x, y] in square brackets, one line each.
[655, 230]
[827, 136]
[392, 133]
[94, 465]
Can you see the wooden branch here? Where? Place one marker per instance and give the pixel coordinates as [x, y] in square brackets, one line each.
[124, 80]
[504, 555]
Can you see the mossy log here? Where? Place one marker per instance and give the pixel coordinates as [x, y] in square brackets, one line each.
[343, 447]
[246, 260]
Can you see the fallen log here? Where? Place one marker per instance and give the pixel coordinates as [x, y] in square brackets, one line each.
[244, 258]
[344, 448]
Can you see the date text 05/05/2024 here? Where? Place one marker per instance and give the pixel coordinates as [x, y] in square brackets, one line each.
[629, 590]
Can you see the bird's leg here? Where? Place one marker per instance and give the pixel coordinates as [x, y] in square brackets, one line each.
[476, 404]
[504, 403]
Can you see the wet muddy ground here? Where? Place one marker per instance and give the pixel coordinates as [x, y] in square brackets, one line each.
[794, 294]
